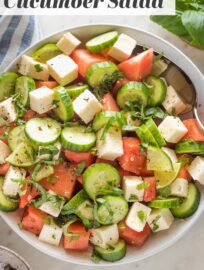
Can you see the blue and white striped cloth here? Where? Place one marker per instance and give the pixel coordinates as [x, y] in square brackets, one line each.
[16, 34]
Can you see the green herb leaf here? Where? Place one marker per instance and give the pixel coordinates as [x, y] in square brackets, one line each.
[165, 192]
[80, 168]
[141, 215]
[143, 185]
[94, 257]
[73, 236]
[155, 225]
[133, 198]
[38, 68]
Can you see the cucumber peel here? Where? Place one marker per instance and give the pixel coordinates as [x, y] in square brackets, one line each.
[46, 52]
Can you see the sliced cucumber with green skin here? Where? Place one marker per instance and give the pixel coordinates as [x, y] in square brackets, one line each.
[99, 176]
[101, 42]
[150, 124]
[112, 254]
[44, 172]
[102, 118]
[16, 136]
[76, 89]
[190, 204]
[135, 92]
[157, 90]
[77, 139]
[146, 136]
[190, 147]
[165, 203]
[64, 108]
[96, 72]
[71, 206]
[23, 156]
[85, 213]
[46, 52]
[158, 160]
[24, 85]
[7, 84]
[6, 204]
[112, 210]
[42, 131]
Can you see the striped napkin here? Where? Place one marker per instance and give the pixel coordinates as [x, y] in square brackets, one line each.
[16, 34]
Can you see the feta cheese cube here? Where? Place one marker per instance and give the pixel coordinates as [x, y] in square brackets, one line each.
[171, 154]
[160, 219]
[122, 48]
[51, 234]
[5, 152]
[172, 129]
[45, 153]
[196, 169]
[51, 209]
[104, 236]
[111, 146]
[8, 111]
[131, 191]
[41, 100]
[87, 106]
[63, 69]
[179, 187]
[138, 216]
[36, 70]
[68, 43]
[10, 188]
[173, 102]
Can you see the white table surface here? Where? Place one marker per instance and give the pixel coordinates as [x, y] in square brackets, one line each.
[187, 253]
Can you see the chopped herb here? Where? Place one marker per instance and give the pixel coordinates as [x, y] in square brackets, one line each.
[54, 236]
[165, 192]
[155, 225]
[94, 257]
[143, 185]
[106, 128]
[47, 220]
[50, 151]
[94, 151]
[38, 68]
[133, 198]
[80, 168]
[73, 236]
[141, 215]
[115, 191]
[155, 112]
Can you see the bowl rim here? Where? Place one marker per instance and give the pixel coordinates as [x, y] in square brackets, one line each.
[166, 244]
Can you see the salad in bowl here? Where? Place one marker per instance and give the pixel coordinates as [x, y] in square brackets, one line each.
[95, 151]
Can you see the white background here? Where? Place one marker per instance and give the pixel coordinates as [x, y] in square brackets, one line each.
[188, 253]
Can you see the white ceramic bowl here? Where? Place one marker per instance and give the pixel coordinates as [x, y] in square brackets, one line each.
[159, 241]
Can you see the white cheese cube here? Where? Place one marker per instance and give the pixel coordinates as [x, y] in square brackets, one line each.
[131, 190]
[179, 187]
[63, 69]
[51, 209]
[68, 43]
[4, 152]
[171, 154]
[160, 219]
[111, 146]
[36, 70]
[196, 169]
[104, 236]
[87, 106]
[45, 154]
[122, 48]
[172, 129]
[41, 100]
[10, 188]
[8, 111]
[173, 102]
[138, 216]
[51, 234]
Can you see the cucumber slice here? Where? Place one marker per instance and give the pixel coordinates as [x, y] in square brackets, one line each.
[150, 124]
[71, 206]
[135, 92]
[16, 137]
[102, 118]
[96, 72]
[101, 42]
[157, 90]
[165, 203]
[190, 147]
[44, 172]
[64, 108]
[146, 136]
[24, 85]
[23, 156]
[158, 160]
[77, 139]
[190, 204]
[99, 176]
[164, 179]
[42, 131]
[112, 210]
[6, 204]
[7, 84]
[46, 52]
[131, 122]
[76, 89]
[113, 253]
